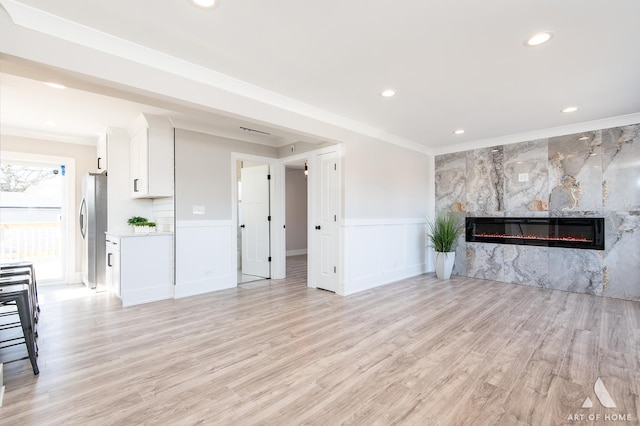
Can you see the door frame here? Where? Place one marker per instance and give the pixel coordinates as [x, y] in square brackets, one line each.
[69, 231]
[277, 237]
[313, 261]
[256, 175]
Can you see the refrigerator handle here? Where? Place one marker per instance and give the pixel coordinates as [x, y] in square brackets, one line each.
[83, 206]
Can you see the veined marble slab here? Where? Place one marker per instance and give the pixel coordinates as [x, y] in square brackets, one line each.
[621, 168]
[575, 172]
[527, 265]
[450, 181]
[485, 260]
[485, 181]
[622, 256]
[576, 270]
[523, 213]
[460, 262]
[526, 176]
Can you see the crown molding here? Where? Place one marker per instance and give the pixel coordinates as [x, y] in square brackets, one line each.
[586, 126]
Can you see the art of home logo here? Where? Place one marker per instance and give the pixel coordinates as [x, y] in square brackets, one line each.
[604, 398]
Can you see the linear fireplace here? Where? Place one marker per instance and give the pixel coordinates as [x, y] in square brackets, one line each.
[584, 233]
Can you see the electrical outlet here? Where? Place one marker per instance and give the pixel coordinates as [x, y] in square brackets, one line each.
[198, 209]
[523, 177]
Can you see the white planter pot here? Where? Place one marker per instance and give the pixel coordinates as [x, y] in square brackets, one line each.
[444, 264]
[144, 229]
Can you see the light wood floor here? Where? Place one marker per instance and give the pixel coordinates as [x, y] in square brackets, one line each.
[417, 352]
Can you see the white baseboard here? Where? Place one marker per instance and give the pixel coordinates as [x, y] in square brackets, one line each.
[372, 281]
[146, 295]
[296, 252]
[193, 288]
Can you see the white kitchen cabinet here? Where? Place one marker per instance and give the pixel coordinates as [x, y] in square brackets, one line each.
[140, 267]
[151, 150]
[113, 264]
[102, 153]
[120, 205]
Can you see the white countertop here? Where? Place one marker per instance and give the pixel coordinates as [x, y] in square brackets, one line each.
[128, 234]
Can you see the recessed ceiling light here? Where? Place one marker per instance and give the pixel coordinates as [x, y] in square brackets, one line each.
[458, 132]
[583, 138]
[55, 85]
[388, 93]
[206, 4]
[570, 109]
[539, 38]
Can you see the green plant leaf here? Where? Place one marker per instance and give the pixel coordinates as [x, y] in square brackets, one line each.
[136, 220]
[443, 232]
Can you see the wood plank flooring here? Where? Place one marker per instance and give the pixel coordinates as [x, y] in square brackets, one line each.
[417, 352]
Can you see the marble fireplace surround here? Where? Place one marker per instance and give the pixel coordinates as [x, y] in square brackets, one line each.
[590, 174]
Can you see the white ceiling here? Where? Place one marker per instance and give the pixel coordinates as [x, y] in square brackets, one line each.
[454, 64]
[29, 108]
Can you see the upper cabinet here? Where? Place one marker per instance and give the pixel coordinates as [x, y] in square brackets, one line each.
[101, 160]
[151, 161]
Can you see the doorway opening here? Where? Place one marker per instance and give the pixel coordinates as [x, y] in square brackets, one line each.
[296, 219]
[254, 220]
[33, 200]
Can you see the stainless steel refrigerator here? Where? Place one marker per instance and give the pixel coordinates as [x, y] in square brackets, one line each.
[92, 219]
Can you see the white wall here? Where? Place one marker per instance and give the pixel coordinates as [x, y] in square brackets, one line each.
[387, 194]
[204, 242]
[384, 181]
[296, 211]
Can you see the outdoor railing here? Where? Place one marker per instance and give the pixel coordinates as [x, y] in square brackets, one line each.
[37, 241]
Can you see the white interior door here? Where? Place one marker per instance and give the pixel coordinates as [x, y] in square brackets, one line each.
[327, 227]
[255, 221]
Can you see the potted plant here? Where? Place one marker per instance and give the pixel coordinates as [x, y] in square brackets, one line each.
[442, 234]
[141, 225]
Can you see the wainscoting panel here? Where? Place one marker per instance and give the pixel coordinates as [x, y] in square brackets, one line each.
[382, 251]
[203, 257]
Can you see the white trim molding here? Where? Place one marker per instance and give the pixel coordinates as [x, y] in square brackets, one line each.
[586, 126]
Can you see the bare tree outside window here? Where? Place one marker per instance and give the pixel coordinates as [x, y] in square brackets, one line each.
[15, 178]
